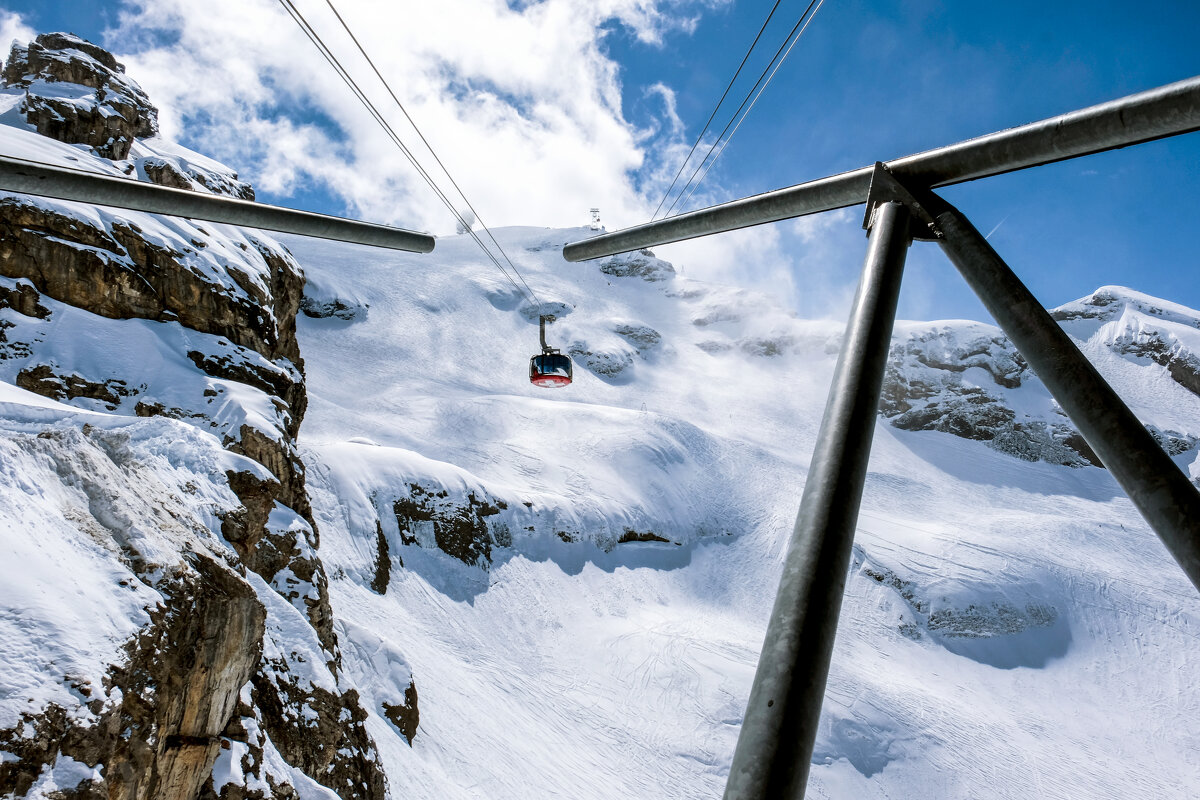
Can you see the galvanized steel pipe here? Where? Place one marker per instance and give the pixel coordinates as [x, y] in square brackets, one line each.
[775, 745]
[1154, 114]
[28, 177]
[1165, 496]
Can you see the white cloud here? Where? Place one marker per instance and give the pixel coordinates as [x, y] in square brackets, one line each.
[520, 100]
[13, 29]
[810, 265]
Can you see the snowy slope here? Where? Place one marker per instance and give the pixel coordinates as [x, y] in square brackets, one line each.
[91, 504]
[97, 491]
[1011, 628]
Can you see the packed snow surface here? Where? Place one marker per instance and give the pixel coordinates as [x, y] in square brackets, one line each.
[1010, 628]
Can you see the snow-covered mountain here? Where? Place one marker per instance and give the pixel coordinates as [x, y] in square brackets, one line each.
[994, 637]
[238, 543]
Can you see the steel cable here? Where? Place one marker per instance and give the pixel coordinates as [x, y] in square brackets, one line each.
[772, 67]
[428, 146]
[716, 108]
[334, 62]
[725, 143]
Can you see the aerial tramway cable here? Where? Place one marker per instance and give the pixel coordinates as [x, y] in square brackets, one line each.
[781, 54]
[550, 368]
[732, 133]
[334, 62]
[716, 108]
[429, 147]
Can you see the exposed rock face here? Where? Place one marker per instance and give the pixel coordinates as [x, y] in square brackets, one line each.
[1183, 366]
[177, 716]
[926, 354]
[23, 297]
[456, 526]
[333, 307]
[179, 174]
[106, 110]
[41, 379]
[631, 535]
[1001, 624]
[383, 562]
[1159, 342]
[405, 716]
[329, 743]
[177, 693]
[602, 362]
[474, 523]
[642, 337]
[641, 264]
[943, 380]
[117, 271]
[960, 378]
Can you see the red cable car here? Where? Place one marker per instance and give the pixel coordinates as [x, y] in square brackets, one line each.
[551, 368]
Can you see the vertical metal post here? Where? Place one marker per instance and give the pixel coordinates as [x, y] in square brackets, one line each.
[776, 741]
[1162, 493]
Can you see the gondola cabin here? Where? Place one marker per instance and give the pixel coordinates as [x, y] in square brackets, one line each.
[550, 370]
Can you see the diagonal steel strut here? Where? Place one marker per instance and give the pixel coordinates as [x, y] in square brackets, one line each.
[774, 748]
[1166, 498]
[776, 741]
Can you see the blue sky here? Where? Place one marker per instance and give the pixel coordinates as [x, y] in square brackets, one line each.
[877, 80]
[869, 81]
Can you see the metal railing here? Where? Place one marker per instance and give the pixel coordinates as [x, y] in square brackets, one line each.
[774, 748]
[28, 177]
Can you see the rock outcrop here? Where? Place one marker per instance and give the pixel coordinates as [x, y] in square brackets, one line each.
[1154, 339]
[641, 264]
[93, 102]
[458, 526]
[175, 694]
[967, 379]
[216, 308]
[954, 381]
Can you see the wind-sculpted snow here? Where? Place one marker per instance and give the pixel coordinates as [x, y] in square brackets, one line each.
[1004, 626]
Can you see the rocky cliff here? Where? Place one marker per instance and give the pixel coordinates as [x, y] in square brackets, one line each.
[967, 379]
[143, 316]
